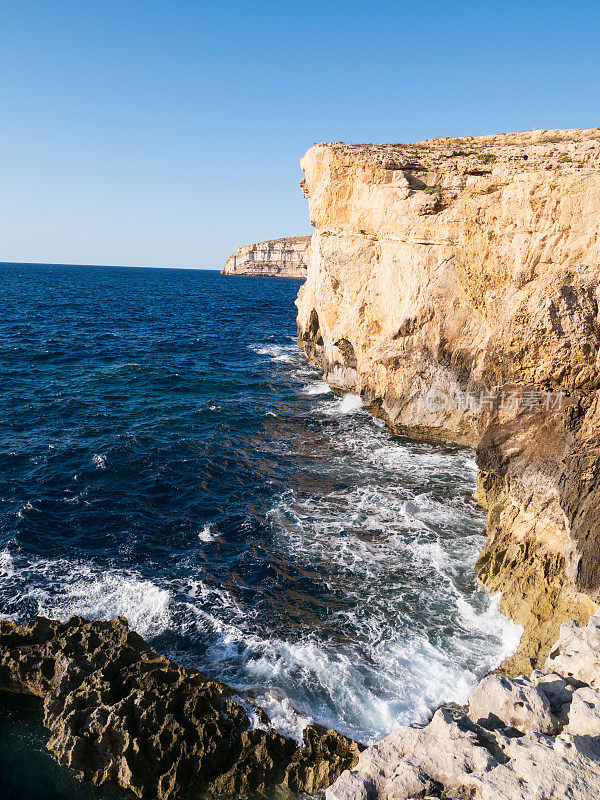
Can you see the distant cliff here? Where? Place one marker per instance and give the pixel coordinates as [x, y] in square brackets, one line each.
[277, 258]
[455, 284]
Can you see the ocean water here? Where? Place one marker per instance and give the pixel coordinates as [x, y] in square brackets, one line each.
[168, 454]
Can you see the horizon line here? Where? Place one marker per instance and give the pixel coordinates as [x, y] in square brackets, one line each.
[108, 266]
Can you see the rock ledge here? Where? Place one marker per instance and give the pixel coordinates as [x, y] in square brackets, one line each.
[121, 714]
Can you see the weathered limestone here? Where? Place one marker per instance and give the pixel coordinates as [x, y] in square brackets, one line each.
[584, 716]
[576, 655]
[455, 284]
[277, 258]
[121, 714]
[509, 747]
[516, 703]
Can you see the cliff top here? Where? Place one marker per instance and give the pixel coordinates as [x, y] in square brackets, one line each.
[284, 240]
[579, 145]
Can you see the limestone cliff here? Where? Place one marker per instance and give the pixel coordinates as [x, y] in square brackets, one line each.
[278, 258]
[454, 284]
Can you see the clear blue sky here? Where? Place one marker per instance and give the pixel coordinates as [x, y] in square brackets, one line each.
[165, 132]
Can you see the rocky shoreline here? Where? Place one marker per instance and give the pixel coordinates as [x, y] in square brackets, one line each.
[455, 285]
[534, 738]
[120, 714]
[277, 258]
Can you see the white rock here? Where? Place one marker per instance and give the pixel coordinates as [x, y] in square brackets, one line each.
[557, 690]
[542, 767]
[584, 713]
[576, 655]
[511, 702]
[408, 762]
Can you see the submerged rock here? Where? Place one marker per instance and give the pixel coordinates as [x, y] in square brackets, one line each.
[510, 747]
[121, 714]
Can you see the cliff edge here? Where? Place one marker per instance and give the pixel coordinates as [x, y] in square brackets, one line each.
[277, 258]
[455, 285]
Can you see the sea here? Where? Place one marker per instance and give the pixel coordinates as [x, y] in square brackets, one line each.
[167, 453]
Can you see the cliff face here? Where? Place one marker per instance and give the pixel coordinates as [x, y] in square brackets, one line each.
[278, 258]
[455, 284]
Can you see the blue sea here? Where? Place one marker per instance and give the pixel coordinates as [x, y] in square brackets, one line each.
[168, 454]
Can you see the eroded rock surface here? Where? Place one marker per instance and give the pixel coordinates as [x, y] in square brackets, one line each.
[121, 714]
[507, 745]
[455, 285]
[276, 258]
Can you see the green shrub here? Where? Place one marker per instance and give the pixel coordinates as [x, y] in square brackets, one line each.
[565, 159]
[490, 158]
[433, 190]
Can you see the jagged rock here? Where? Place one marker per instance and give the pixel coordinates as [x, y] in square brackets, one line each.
[463, 278]
[576, 655]
[543, 768]
[514, 703]
[121, 714]
[276, 258]
[412, 761]
[557, 690]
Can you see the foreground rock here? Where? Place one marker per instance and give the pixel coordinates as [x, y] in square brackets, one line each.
[121, 714]
[518, 739]
[455, 284]
[277, 258]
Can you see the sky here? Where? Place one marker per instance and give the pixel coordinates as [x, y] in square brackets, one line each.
[168, 133]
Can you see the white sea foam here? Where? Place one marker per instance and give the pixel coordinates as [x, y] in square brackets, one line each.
[283, 716]
[60, 588]
[99, 460]
[316, 388]
[206, 534]
[284, 353]
[6, 565]
[28, 506]
[349, 403]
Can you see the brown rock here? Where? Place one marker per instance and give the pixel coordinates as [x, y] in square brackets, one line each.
[121, 714]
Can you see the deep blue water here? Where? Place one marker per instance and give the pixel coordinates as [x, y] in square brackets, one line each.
[168, 454]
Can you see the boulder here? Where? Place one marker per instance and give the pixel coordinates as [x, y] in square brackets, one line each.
[584, 712]
[576, 655]
[558, 691]
[516, 703]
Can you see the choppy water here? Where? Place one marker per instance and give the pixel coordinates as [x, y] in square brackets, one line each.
[168, 454]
